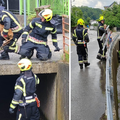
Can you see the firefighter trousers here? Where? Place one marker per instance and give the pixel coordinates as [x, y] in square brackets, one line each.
[82, 53]
[43, 51]
[30, 111]
[10, 47]
[101, 53]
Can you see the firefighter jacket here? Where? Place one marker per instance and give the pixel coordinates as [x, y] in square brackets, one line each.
[9, 20]
[25, 88]
[40, 31]
[80, 35]
[100, 30]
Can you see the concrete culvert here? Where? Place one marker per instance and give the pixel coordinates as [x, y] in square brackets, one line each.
[46, 92]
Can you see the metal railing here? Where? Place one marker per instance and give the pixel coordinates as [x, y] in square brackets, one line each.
[109, 87]
[64, 36]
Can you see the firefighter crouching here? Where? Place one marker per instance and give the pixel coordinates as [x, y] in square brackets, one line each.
[9, 20]
[37, 39]
[80, 38]
[24, 95]
[100, 32]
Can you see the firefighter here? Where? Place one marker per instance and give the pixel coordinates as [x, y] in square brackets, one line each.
[9, 20]
[80, 38]
[41, 27]
[24, 95]
[100, 31]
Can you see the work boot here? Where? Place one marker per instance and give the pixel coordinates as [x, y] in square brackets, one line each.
[98, 57]
[103, 59]
[81, 66]
[87, 64]
[4, 56]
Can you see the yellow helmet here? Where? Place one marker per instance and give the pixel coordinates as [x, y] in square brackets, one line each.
[47, 14]
[80, 22]
[24, 64]
[101, 18]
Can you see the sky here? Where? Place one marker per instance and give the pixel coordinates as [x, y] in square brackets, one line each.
[94, 3]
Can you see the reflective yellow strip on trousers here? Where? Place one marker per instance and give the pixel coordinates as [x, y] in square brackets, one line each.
[36, 41]
[28, 101]
[20, 115]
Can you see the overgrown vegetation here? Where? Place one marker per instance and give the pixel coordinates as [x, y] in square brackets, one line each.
[112, 16]
[76, 13]
[66, 57]
[30, 18]
[92, 13]
[84, 12]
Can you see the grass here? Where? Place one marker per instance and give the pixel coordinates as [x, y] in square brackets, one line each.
[66, 57]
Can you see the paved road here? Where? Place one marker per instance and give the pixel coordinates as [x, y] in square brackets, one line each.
[87, 85]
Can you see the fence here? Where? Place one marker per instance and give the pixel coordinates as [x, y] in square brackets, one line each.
[64, 36]
[111, 88]
[58, 6]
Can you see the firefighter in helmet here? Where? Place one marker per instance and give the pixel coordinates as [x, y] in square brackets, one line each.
[80, 38]
[9, 20]
[41, 27]
[24, 95]
[100, 31]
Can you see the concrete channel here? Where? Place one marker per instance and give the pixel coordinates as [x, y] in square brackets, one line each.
[53, 90]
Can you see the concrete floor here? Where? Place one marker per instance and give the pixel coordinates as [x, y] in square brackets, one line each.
[49, 66]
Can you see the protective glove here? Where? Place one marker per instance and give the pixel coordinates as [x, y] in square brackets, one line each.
[11, 111]
[23, 40]
[57, 49]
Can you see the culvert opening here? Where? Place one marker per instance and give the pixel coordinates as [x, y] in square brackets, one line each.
[45, 90]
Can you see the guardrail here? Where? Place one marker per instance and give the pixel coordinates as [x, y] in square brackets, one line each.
[109, 87]
[65, 37]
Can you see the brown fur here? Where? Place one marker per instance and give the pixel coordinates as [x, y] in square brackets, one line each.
[10, 33]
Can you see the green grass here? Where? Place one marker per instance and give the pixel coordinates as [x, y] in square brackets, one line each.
[66, 57]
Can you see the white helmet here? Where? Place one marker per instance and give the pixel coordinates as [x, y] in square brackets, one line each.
[46, 14]
[24, 64]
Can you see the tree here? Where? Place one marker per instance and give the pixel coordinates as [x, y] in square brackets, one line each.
[76, 14]
[112, 16]
[93, 13]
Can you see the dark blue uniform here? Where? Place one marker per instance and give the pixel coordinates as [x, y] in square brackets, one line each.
[80, 38]
[100, 31]
[9, 20]
[37, 39]
[24, 97]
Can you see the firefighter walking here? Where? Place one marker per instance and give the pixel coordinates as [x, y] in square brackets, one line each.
[80, 38]
[9, 20]
[37, 39]
[100, 32]
[24, 95]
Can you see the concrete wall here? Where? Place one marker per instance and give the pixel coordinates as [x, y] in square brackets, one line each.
[114, 66]
[11, 68]
[21, 19]
[62, 111]
[46, 92]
